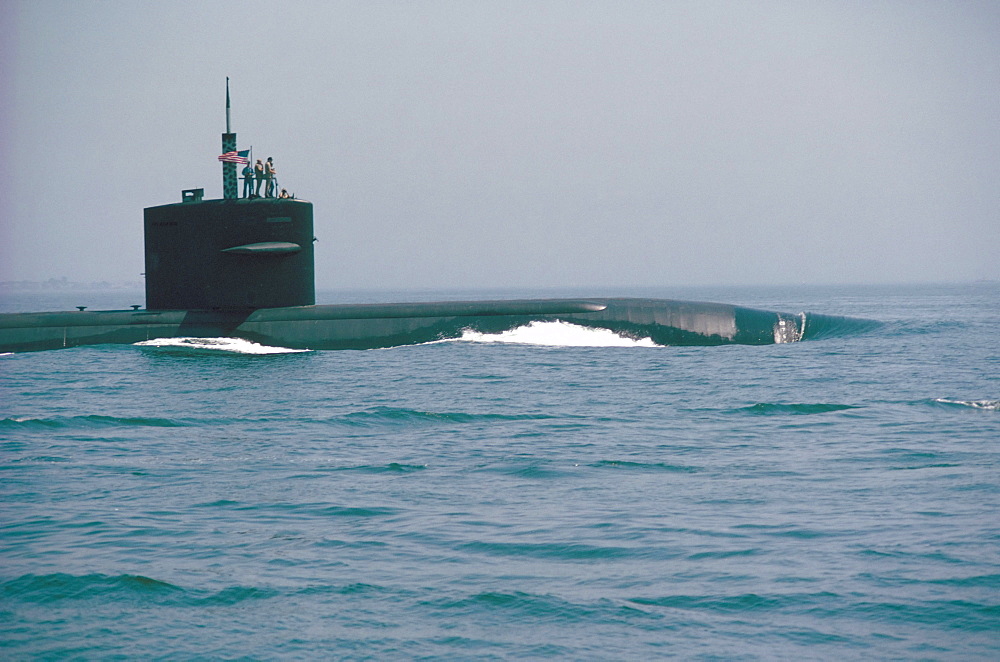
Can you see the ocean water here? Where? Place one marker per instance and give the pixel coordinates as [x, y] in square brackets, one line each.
[553, 492]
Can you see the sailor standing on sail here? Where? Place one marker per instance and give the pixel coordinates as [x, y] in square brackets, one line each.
[247, 180]
[258, 170]
[269, 177]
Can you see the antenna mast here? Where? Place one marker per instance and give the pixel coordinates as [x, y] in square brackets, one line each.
[229, 190]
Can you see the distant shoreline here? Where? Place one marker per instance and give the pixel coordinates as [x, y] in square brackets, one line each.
[65, 285]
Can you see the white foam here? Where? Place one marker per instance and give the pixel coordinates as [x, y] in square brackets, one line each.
[975, 404]
[233, 345]
[556, 334]
[787, 329]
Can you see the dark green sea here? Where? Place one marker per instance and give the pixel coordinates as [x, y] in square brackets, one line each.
[554, 493]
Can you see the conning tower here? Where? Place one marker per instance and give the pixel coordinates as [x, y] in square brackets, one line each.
[229, 254]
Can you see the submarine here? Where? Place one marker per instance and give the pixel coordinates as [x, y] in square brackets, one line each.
[244, 268]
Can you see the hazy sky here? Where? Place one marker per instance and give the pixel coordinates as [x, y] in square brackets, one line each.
[475, 144]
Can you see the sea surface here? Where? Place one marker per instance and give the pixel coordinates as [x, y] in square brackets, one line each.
[554, 492]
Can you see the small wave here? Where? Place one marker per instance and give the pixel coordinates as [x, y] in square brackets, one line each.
[353, 512]
[208, 345]
[735, 603]
[562, 551]
[391, 468]
[643, 466]
[220, 503]
[377, 415]
[321, 510]
[535, 607]
[921, 327]
[724, 554]
[555, 334]
[816, 326]
[975, 581]
[44, 589]
[233, 595]
[530, 471]
[357, 588]
[771, 408]
[962, 615]
[991, 405]
[62, 586]
[87, 421]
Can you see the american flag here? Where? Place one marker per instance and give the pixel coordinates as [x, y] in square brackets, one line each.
[236, 157]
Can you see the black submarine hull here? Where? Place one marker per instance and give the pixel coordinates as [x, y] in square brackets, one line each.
[371, 326]
[245, 268]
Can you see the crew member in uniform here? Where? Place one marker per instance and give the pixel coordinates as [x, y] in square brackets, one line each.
[269, 177]
[258, 171]
[247, 180]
